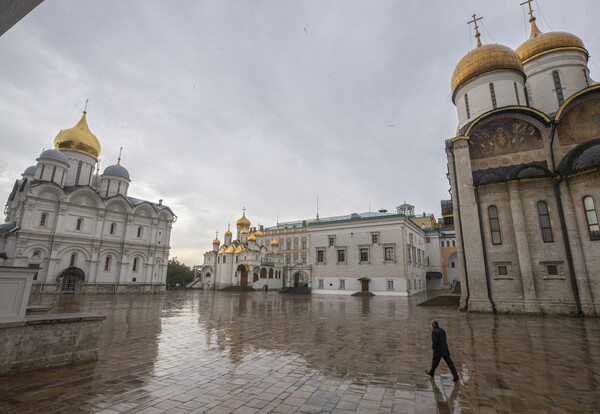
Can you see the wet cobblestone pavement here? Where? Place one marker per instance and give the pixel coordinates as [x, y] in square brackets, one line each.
[225, 352]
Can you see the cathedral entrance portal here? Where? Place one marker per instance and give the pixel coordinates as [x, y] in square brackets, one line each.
[69, 278]
[243, 269]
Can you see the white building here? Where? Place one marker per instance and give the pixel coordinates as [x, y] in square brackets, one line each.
[243, 263]
[379, 253]
[81, 229]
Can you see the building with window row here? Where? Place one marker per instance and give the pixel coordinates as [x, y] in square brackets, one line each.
[81, 229]
[377, 252]
[524, 169]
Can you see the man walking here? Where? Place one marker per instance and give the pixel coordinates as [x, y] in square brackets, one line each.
[440, 350]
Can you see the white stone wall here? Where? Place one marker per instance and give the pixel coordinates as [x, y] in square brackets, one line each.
[570, 64]
[407, 277]
[480, 98]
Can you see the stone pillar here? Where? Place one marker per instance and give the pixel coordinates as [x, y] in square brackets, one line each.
[468, 229]
[530, 301]
[583, 284]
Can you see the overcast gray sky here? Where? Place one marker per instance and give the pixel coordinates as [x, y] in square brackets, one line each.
[265, 104]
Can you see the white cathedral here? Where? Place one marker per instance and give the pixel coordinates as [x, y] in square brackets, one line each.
[80, 228]
[524, 168]
[244, 263]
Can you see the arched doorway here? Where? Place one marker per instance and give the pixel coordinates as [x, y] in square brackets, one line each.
[243, 269]
[300, 279]
[452, 269]
[70, 278]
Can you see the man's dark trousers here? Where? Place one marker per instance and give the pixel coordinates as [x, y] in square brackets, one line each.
[435, 361]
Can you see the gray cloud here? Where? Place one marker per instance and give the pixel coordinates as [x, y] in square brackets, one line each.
[263, 104]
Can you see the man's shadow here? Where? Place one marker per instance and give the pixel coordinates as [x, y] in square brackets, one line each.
[445, 406]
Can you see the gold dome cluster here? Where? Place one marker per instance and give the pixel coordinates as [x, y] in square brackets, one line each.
[541, 43]
[484, 59]
[79, 139]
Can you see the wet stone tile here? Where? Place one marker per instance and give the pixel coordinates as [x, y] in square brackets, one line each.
[217, 352]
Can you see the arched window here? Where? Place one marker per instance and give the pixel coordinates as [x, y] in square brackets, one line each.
[42, 171]
[591, 217]
[107, 263]
[43, 219]
[79, 225]
[113, 228]
[494, 225]
[53, 173]
[107, 189]
[545, 225]
[270, 273]
[135, 264]
[453, 243]
[73, 260]
[139, 231]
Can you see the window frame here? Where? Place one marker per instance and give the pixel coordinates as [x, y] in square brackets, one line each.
[546, 228]
[79, 224]
[385, 253]
[330, 241]
[592, 210]
[361, 250]
[341, 255]
[43, 219]
[495, 219]
[320, 253]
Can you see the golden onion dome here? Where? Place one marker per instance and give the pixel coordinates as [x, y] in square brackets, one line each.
[274, 242]
[230, 249]
[484, 59]
[244, 232]
[243, 221]
[79, 138]
[216, 241]
[541, 43]
[228, 233]
[252, 237]
[258, 233]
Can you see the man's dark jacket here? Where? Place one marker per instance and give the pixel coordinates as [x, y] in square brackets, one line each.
[438, 342]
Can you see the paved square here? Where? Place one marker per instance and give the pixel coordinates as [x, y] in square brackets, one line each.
[225, 352]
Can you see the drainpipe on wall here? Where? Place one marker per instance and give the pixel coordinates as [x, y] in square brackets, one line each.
[485, 258]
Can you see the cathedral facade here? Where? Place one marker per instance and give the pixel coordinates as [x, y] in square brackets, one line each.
[81, 229]
[243, 263]
[524, 176]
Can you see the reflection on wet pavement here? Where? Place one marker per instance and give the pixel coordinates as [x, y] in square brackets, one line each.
[223, 352]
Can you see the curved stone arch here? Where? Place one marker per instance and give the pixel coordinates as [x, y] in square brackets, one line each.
[49, 191]
[144, 209]
[85, 197]
[571, 100]
[165, 215]
[528, 112]
[583, 157]
[138, 253]
[109, 250]
[74, 249]
[118, 204]
[29, 251]
[300, 278]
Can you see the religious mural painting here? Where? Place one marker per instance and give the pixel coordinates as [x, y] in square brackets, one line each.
[503, 136]
[581, 123]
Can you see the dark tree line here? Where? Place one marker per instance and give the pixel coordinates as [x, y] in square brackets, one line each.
[178, 274]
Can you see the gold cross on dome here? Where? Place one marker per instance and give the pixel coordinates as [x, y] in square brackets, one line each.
[477, 34]
[528, 3]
